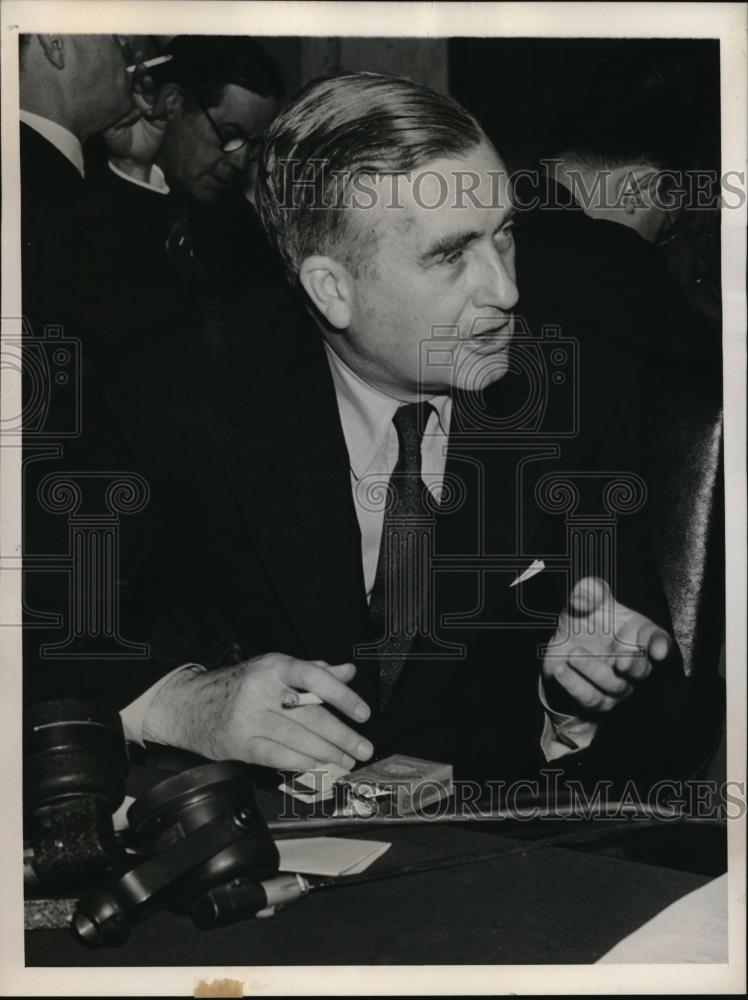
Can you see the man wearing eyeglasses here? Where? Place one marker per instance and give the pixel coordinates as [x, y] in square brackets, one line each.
[215, 97]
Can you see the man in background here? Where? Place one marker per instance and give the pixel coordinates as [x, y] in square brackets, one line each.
[212, 101]
[135, 265]
[597, 233]
[71, 88]
[598, 217]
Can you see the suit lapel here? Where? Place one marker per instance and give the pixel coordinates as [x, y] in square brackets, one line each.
[496, 470]
[286, 456]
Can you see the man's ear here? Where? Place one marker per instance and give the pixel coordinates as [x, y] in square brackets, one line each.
[54, 49]
[328, 285]
[636, 187]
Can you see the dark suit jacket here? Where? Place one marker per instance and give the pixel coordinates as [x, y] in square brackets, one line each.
[601, 282]
[597, 278]
[48, 181]
[257, 546]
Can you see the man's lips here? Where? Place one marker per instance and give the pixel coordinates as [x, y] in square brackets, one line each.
[493, 339]
[220, 183]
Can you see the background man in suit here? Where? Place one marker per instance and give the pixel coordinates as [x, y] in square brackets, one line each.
[618, 241]
[115, 263]
[71, 87]
[391, 211]
[600, 218]
[211, 103]
[164, 230]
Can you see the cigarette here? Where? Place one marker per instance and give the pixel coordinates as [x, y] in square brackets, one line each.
[149, 63]
[298, 699]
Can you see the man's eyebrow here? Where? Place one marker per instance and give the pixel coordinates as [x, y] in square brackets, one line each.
[450, 244]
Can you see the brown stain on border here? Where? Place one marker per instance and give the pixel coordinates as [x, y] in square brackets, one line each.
[219, 988]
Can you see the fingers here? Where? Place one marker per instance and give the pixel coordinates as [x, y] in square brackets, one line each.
[265, 751]
[655, 640]
[323, 681]
[343, 671]
[601, 673]
[293, 734]
[581, 690]
[327, 726]
[588, 595]
[635, 665]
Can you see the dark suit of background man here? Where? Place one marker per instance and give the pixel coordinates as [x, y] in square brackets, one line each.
[277, 565]
[610, 219]
[71, 88]
[115, 266]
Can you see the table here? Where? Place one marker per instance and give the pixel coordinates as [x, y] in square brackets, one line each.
[550, 906]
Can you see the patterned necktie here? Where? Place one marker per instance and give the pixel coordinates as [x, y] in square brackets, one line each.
[398, 599]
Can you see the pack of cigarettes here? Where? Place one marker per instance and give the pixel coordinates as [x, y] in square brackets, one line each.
[397, 785]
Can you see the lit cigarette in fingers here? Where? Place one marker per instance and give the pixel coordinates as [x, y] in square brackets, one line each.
[297, 699]
[149, 63]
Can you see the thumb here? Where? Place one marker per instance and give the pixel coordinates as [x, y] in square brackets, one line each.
[589, 594]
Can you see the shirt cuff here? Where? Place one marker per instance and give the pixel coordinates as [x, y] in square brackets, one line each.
[563, 734]
[133, 715]
[156, 181]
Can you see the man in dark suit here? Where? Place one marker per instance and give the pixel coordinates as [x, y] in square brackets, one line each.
[163, 232]
[114, 266]
[71, 87]
[389, 472]
[600, 225]
[211, 103]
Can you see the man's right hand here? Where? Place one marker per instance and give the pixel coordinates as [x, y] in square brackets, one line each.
[135, 140]
[235, 713]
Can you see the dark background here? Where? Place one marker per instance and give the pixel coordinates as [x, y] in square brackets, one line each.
[523, 89]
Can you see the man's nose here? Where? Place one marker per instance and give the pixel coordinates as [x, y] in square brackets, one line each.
[497, 285]
[240, 158]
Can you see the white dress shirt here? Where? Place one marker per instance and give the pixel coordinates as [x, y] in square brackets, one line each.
[366, 417]
[62, 139]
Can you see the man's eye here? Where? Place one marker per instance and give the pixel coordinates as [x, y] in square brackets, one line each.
[505, 236]
[454, 257]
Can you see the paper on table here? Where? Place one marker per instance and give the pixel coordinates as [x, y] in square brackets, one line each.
[329, 855]
[693, 929]
[316, 784]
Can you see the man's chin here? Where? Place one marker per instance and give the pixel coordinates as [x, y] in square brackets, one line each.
[205, 195]
[476, 371]
[209, 190]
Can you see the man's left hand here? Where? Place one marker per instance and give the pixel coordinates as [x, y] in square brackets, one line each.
[600, 652]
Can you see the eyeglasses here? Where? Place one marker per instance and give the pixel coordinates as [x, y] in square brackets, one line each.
[228, 143]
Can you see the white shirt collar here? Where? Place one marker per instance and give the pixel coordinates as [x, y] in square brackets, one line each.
[366, 413]
[156, 181]
[62, 139]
